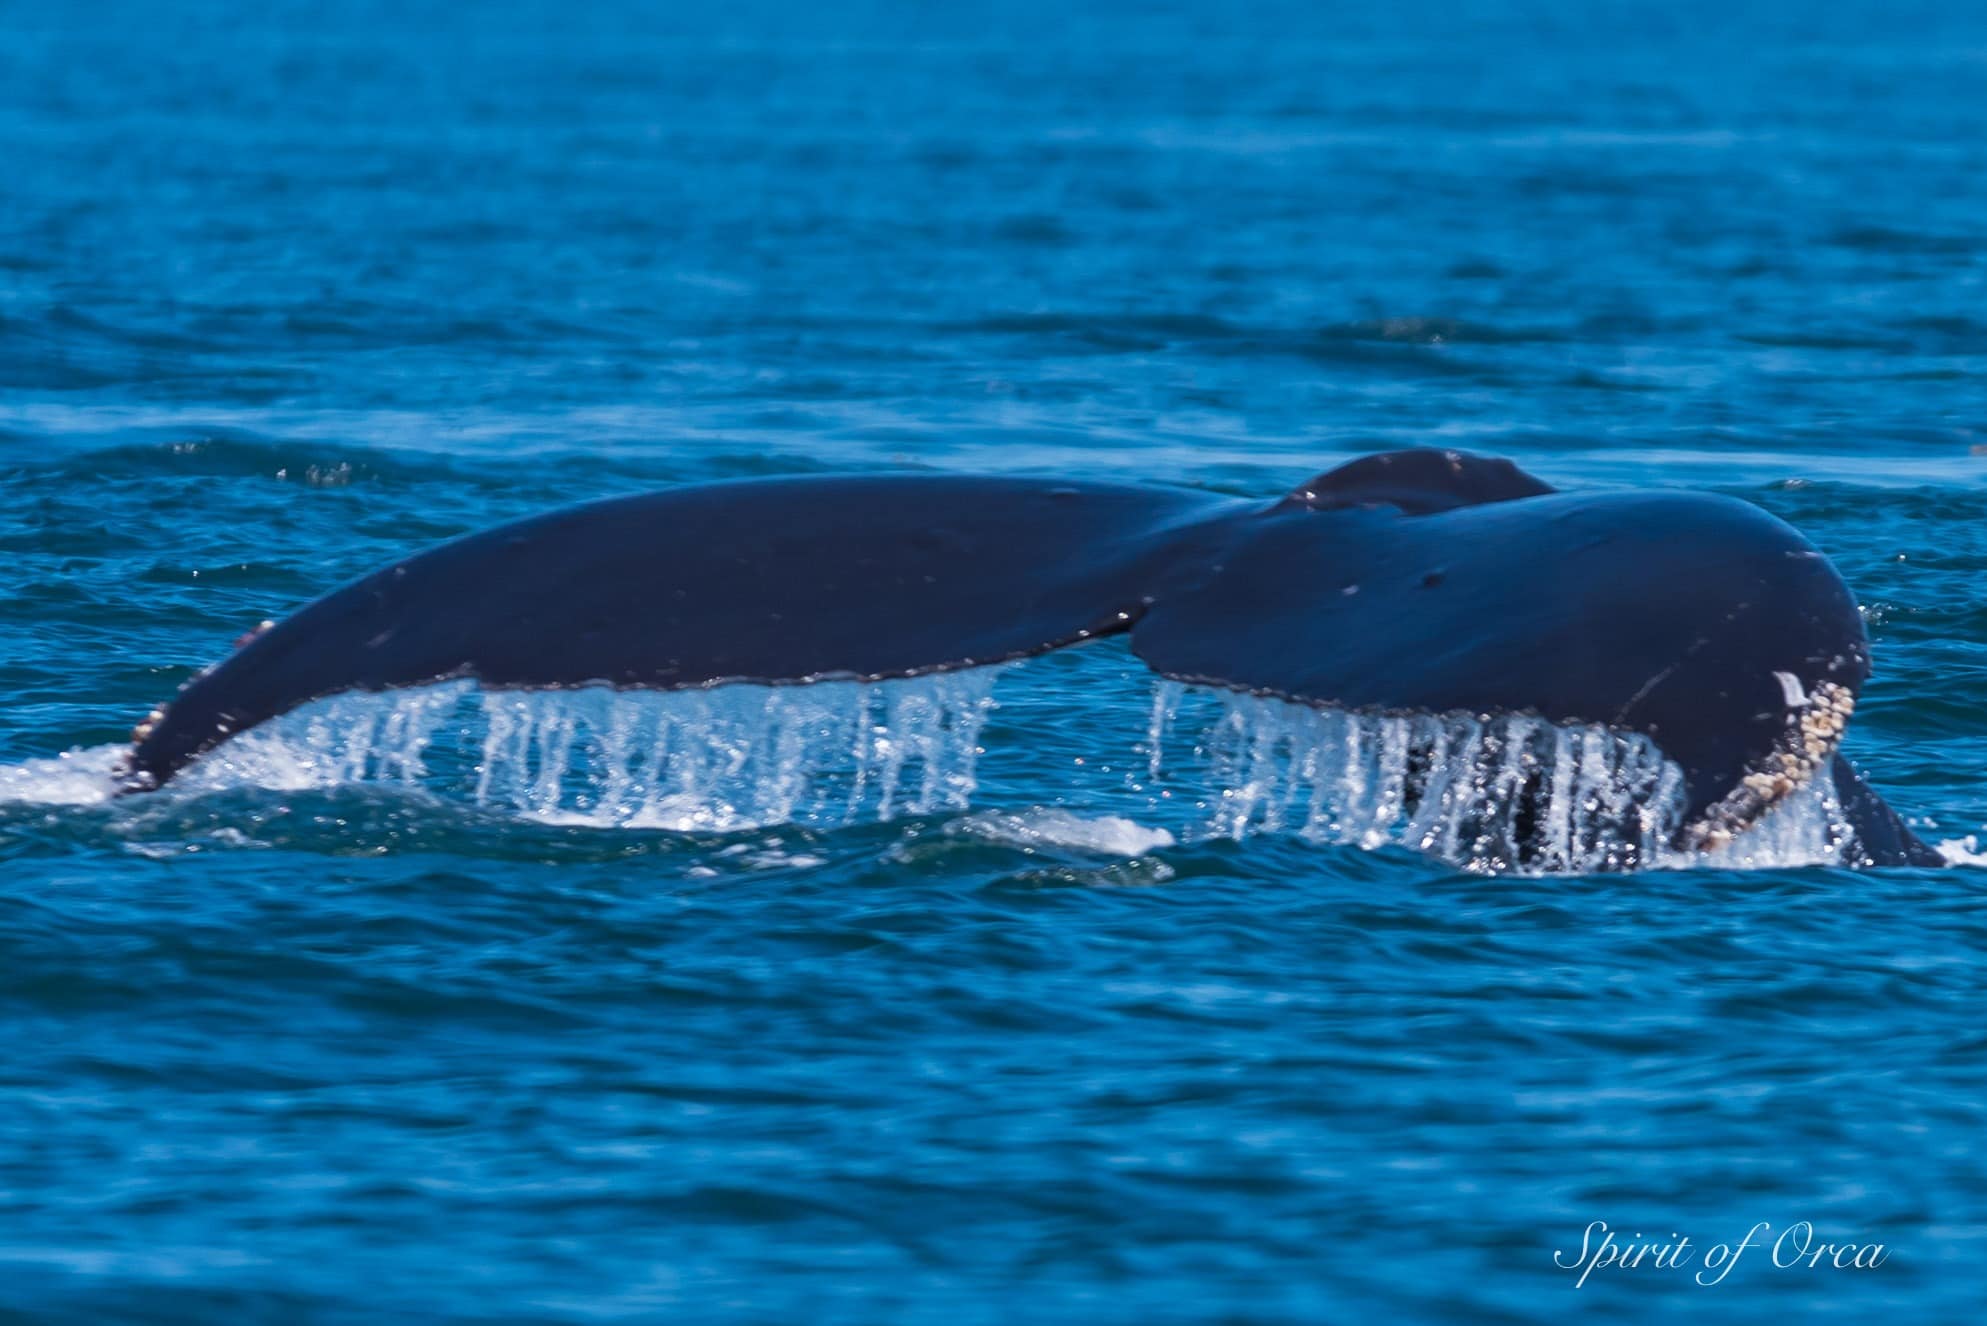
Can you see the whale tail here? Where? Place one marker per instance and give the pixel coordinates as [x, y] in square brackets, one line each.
[1417, 581]
[778, 580]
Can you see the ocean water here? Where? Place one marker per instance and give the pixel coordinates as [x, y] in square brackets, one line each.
[1047, 995]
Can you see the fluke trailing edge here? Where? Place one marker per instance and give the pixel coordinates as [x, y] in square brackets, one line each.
[1409, 582]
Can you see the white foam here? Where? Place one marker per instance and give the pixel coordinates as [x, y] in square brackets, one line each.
[1045, 827]
[84, 776]
[1963, 851]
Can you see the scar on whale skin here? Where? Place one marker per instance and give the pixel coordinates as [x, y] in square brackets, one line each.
[1409, 582]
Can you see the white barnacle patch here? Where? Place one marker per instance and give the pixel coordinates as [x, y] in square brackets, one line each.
[1815, 724]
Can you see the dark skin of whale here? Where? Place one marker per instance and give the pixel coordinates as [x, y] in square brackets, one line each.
[1416, 581]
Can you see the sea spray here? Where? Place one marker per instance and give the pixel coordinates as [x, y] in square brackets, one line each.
[733, 757]
[1505, 793]
[1510, 793]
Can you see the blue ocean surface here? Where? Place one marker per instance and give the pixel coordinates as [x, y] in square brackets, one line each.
[1046, 995]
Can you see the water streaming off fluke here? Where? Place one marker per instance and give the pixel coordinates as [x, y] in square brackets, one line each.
[1508, 793]
[730, 757]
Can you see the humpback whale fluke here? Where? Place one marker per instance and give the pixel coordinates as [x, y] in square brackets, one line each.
[1419, 581]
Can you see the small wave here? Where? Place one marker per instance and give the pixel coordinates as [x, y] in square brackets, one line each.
[61, 348]
[1147, 330]
[235, 453]
[1417, 330]
[1817, 339]
[475, 457]
[1105, 331]
[1889, 239]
